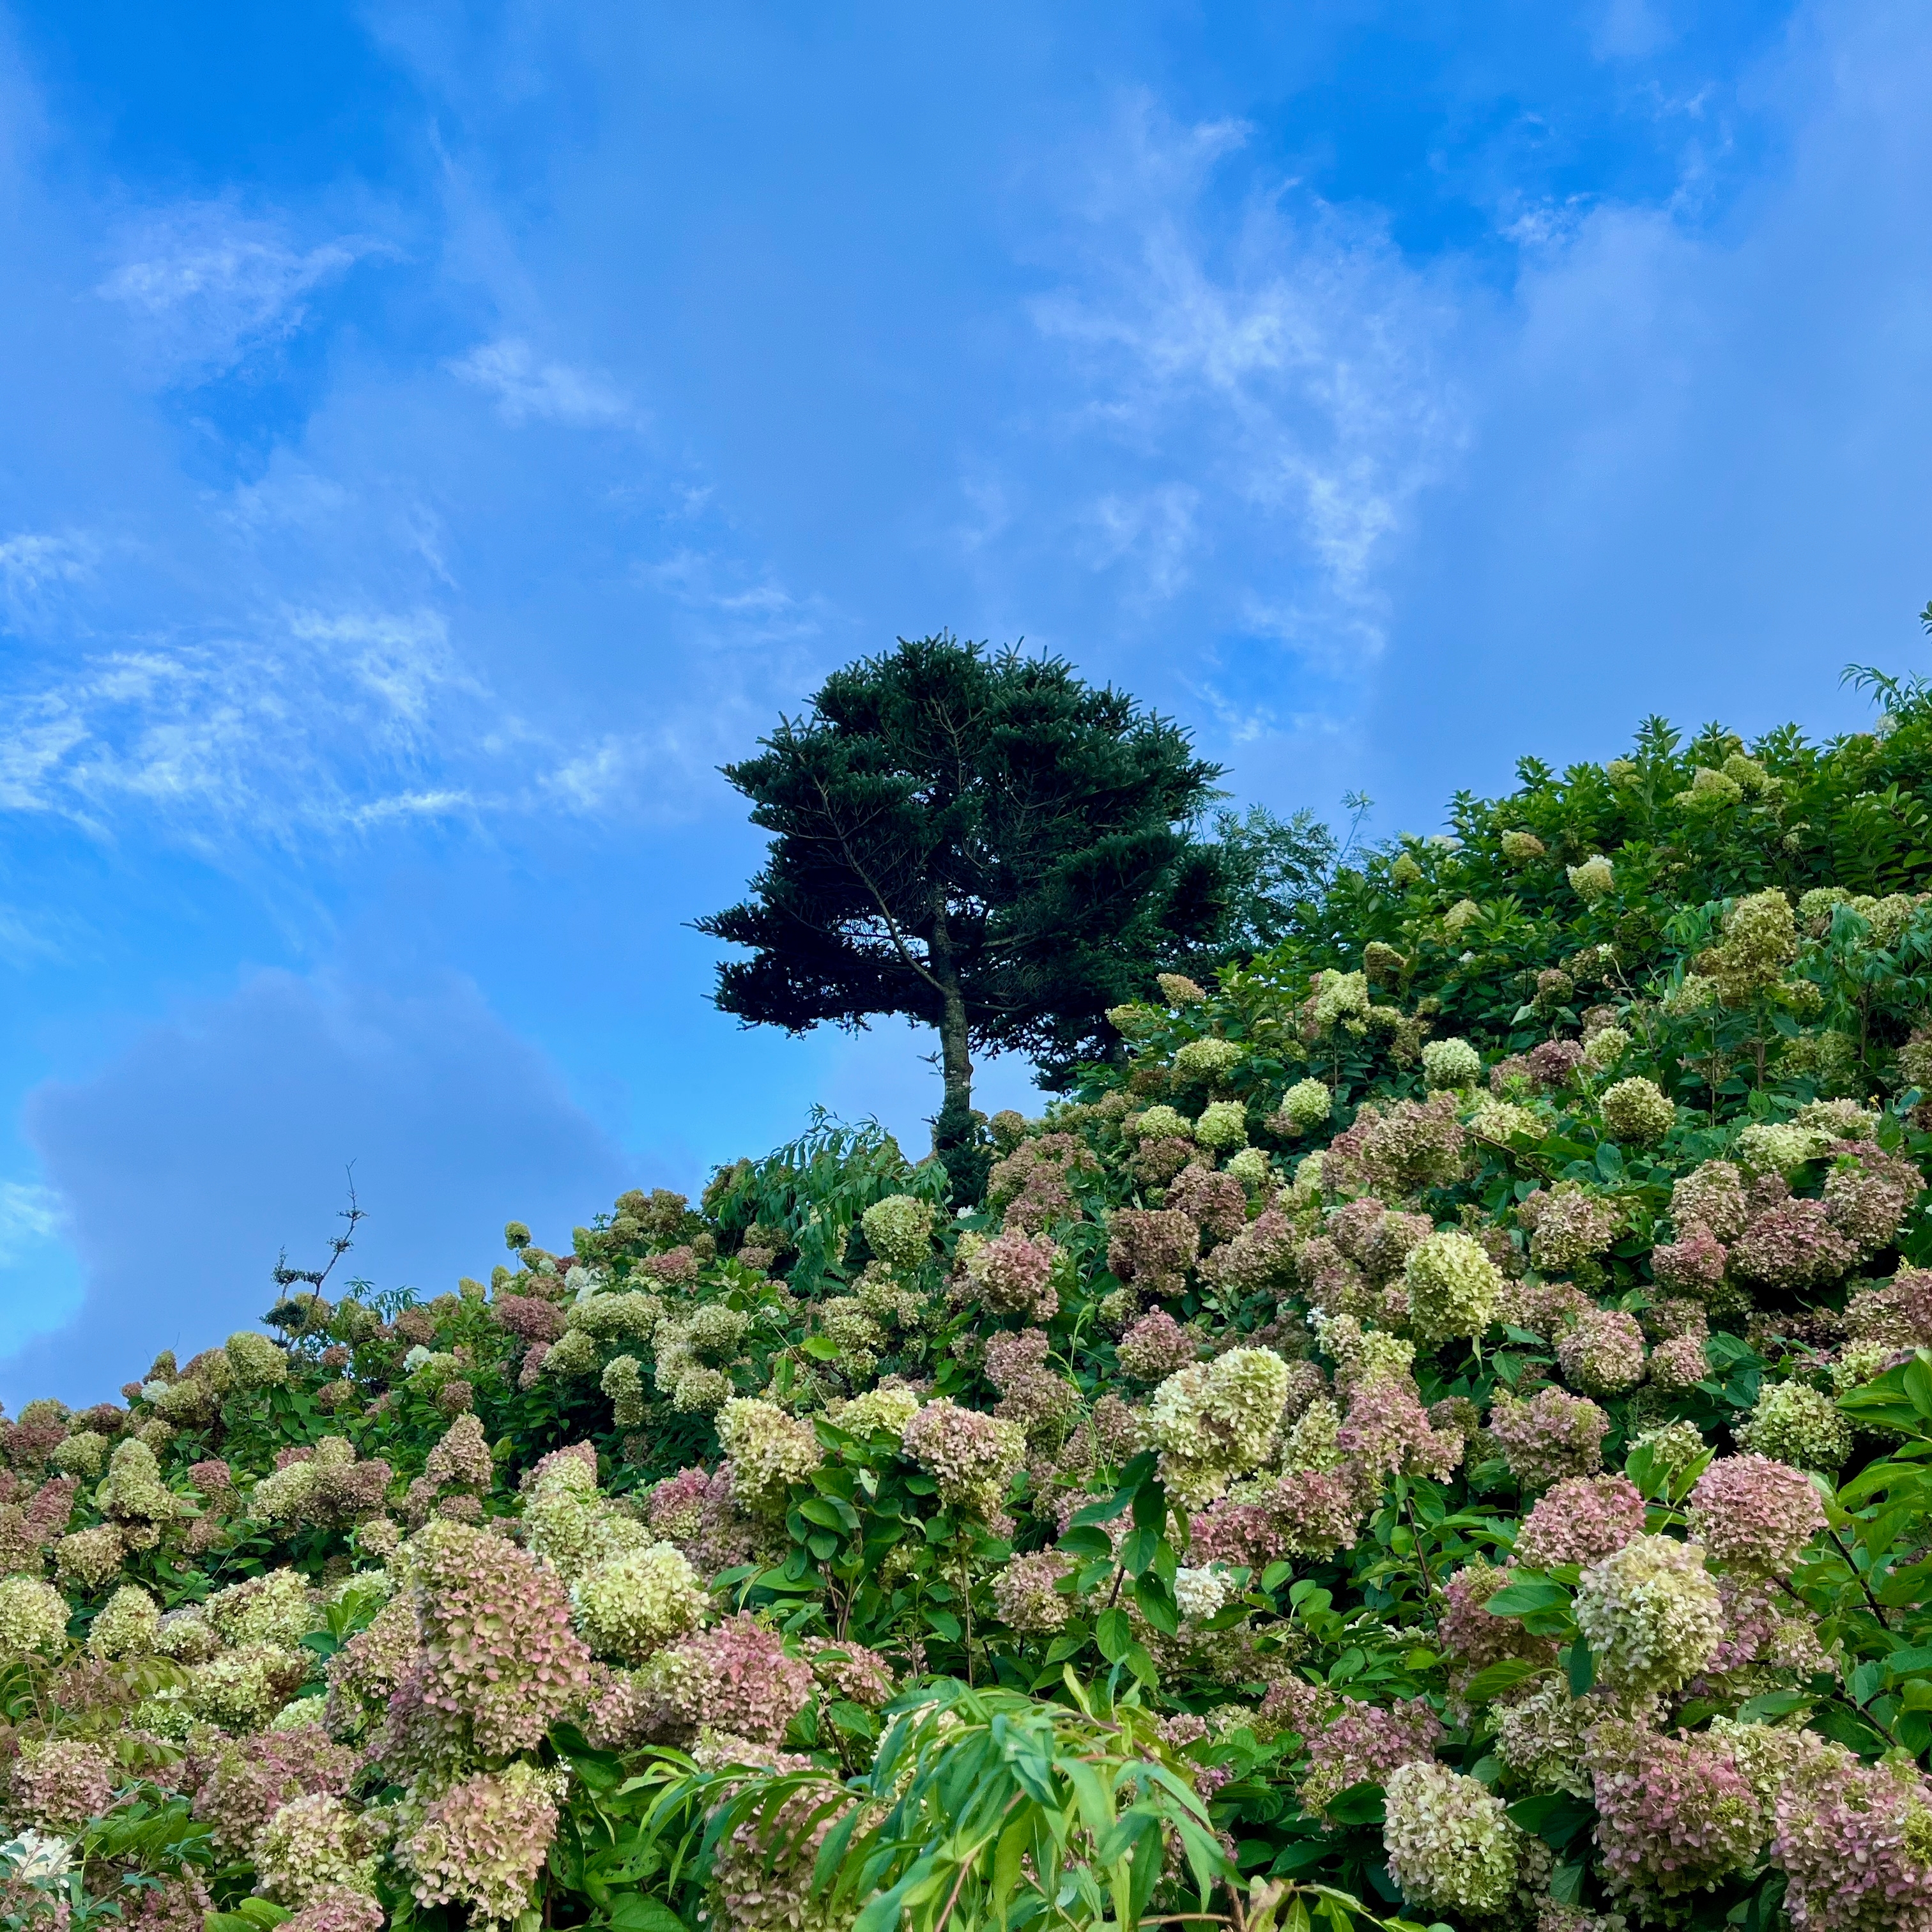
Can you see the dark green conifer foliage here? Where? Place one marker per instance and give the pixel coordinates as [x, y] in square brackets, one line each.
[978, 840]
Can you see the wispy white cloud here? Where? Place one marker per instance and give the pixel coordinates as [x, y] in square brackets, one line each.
[529, 389]
[1274, 358]
[204, 283]
[28, 1211]
[315, 721]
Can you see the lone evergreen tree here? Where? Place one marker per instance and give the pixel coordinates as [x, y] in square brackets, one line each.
[976, 839]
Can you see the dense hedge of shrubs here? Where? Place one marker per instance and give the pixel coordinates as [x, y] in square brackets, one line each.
[1439, 1435]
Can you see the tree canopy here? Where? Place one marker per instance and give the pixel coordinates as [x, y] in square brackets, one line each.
[976, 839]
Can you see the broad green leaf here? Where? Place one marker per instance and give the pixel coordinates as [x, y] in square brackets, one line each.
[1517, 1599]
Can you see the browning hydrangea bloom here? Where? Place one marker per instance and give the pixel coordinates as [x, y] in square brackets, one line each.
[1754, 1514]
[1693, 1265]
[764, 1874]
[1386, 1431]
[1025, 1596]
[1012, 1274]
[1793, 1245]
[1450, 1842]
[1868, 1194]
[1652, 1615]
[1361, 1743]
[1572, 1228]
[61, 1783]
[499, 1662]
[1898, 1314]
[1581, 1519]
[1552, 1435]
[313, 1848]
[853, 1672]
[1602, 1352]
[1476, 1639]
[735, 1677]
[1679, 1364]
[1412, 1145]
[481, 1844]
[1155, 1347]
[1217, 1203]
[1853, 1841]
[366, 1673]
[251, 1778]
[1152, 1248]
[1711, 1197]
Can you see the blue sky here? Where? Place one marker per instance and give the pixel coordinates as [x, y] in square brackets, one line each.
[437, 436]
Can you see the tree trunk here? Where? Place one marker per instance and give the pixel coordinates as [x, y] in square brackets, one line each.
[954, 1123]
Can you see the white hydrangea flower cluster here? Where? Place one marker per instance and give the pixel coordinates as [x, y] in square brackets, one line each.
[1451, 1845]
[1216, 1421]
[1652, 1615]
[1452, 1287]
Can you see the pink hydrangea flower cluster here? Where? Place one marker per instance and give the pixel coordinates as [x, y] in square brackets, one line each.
[1679, 1364]
[1025, 1595]
[1157, 1346]
[1552, 1435]
[1474, 1638]
[1012, 1275]
[1261, 1257]
[1306, 1513]
[1602, 1352]
[1400, 1150]
[1362, 1743]
[735, 1677]
[1756, 1515]
[1854, 1842]
[251, 1779]
[62, 1782]
[1151, 1249]
[1693, 1264]
[482, 1843]
[1674, 1815]
[972, 1457]
[1217, 1203]
[499, 1662]
[1581, 1519]
[1386, 1431]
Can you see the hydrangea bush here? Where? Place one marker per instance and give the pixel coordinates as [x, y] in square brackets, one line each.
[1437, 1434]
